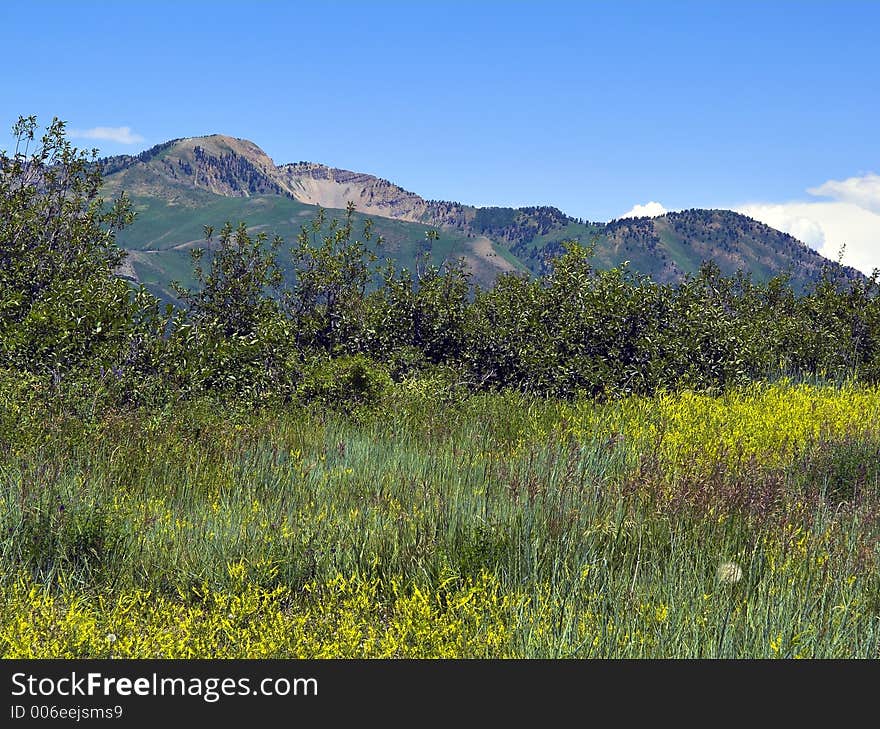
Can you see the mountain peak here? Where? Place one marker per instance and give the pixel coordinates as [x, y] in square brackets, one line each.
[217, 163]
[221, 144]
[185, 175]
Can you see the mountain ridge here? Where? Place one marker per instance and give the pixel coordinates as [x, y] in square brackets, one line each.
[194, 172]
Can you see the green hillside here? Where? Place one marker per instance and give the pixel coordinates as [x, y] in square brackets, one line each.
[181, 186]
[160, 239]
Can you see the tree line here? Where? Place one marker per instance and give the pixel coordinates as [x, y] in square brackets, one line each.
[341, 326]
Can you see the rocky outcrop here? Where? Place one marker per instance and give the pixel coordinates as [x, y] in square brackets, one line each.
[329, 187]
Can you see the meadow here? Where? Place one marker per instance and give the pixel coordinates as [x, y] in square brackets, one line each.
[352, 461]
[731, 524]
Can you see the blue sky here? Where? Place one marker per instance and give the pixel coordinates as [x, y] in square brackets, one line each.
[594, 107]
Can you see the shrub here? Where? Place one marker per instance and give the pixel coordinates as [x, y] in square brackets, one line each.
[344, 383]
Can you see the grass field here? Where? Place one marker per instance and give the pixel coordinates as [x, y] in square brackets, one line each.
[737, 525]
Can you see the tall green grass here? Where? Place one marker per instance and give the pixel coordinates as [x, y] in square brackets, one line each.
[494, 526]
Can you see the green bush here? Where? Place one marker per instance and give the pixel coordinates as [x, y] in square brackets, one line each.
[344, 383]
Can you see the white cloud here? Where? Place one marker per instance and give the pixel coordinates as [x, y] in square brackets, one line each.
[851, 219]
[121, 135]
[648, 210]
[863, 191]
[796, 219]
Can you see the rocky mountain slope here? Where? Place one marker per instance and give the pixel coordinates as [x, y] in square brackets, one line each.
[181, 185]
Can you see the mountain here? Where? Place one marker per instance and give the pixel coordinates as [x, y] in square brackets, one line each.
[182, 185]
